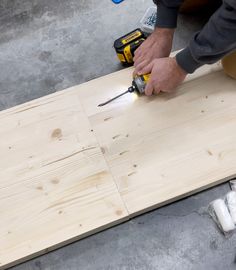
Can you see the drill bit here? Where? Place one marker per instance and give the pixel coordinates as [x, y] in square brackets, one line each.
[130, 90]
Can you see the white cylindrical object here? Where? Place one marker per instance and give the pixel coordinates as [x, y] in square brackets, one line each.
[233, 184]
[231, 201]
[223, 215]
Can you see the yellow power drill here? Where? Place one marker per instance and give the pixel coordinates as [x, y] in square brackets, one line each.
[138, 85]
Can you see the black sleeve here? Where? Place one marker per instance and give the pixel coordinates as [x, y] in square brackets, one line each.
[167, 13]
[216, 39]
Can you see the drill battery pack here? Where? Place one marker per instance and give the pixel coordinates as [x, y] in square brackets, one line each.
[127, 44]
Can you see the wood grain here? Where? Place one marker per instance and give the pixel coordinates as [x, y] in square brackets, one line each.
[163, 148]
[69, 169]
[55, 186]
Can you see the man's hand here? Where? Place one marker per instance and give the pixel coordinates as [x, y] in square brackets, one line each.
[157, 45]
[166, 75]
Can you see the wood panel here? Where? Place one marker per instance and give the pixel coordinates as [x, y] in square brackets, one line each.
[163, 148]
[69, 168]
[55, 186]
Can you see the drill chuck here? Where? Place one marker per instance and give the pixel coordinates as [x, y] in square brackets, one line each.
[140, 82]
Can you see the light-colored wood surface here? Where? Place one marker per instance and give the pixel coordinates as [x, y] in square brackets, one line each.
[69, 168]
[55, 186]
[162, 148]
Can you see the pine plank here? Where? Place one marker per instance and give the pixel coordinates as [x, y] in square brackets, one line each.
[163, 148]
[55, 186]
[69, 169]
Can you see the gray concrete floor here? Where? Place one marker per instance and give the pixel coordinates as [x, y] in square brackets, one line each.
[49, 45]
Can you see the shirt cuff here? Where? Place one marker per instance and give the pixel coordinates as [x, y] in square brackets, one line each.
[166, 16]
[186, 61]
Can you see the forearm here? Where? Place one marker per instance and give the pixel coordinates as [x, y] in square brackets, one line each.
[216, 39]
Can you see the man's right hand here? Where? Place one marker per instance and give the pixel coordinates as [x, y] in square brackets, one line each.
[157, 45]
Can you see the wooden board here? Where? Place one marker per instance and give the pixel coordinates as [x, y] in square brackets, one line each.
[160, 149]
[69, 168]
[55, 186]
[163, 148]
